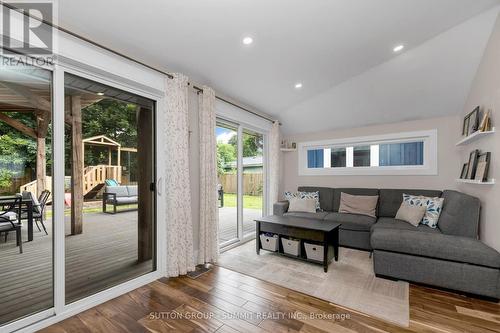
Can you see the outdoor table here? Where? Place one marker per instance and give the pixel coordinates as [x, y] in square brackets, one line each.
[6, 200]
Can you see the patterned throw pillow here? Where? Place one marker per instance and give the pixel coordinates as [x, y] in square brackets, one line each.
[304, 195]
[433, 207]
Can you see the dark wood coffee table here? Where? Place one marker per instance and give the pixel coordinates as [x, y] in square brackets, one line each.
[325, 233]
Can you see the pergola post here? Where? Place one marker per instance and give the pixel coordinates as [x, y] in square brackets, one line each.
[145, 177]
[76, 166]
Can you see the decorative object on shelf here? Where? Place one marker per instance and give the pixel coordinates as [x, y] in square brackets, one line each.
[485, 124]
[288, 146]
[463, 174]
[472, 165]
[483, 164]
[471, 122]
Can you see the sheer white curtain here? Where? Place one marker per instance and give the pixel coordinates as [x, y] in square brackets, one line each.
[209, 244]
[178, 196]
[274, 164]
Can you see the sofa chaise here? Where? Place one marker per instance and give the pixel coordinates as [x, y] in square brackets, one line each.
[450, 256]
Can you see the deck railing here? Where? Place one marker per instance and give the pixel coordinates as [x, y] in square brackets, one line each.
[92, 176]
[97, 174]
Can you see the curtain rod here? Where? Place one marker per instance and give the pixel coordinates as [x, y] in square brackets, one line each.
[170, 76]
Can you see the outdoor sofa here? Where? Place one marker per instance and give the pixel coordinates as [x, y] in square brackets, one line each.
[118, 196]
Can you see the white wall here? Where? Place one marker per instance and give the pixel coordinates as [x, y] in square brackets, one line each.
[449, 162]
[485, 92]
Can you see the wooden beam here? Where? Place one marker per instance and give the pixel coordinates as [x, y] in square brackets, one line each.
[18, 126]
[38, 102]
[43, 121]
[145, 178]
[76, 167]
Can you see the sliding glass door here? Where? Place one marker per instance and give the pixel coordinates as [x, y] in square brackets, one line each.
[109, 199]
[241, 185]
[26, 272]
[253, 179]
[227, 188]
[88, 168]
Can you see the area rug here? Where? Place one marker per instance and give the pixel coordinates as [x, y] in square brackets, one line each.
[350, 282]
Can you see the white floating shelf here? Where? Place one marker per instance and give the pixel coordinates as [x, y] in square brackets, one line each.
[288, 149]
[477, 182]
[475, 136]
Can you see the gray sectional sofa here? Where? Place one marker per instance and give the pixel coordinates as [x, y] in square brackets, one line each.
[450, 256]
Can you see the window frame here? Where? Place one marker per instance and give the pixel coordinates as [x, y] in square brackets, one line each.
[429, 167]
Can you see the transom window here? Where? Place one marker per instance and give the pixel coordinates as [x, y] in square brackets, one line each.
[402, 153]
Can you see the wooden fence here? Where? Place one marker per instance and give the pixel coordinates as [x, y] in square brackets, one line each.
[253, 183]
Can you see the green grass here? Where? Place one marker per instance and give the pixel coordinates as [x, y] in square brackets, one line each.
[249, 201]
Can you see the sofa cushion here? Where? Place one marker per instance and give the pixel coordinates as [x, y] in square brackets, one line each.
[126, 200]
[325, 196]
[304, 195]
[316, 216]
[432, 206]
[390, 223]
[280, 208]
[358, 204]
[132, 190]
[352, 191]
[120, 191]
[435, 245]
[302, 205]
[411, 214]
[354, 222]
[460, 214]
[390, 199]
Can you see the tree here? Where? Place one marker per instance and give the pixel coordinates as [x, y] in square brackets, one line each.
[226, 154]
[252, 144]
[16, 154]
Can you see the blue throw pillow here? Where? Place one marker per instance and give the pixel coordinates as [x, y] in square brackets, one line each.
[111, 182]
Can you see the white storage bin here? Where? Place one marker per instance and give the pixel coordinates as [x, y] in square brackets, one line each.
[291, 247]
[269, 243]
[314, 251]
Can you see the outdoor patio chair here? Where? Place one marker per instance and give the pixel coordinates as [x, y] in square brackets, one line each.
[38, 208]
[220, 194]
[9, 222]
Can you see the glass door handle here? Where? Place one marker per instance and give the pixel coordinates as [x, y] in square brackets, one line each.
[159, 184]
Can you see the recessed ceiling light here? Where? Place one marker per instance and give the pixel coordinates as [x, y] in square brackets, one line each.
[398, 48]
[247, 40]
[100, 93]
[298, 85]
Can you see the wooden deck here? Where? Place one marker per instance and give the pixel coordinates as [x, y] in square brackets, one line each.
[227, 222]
[103, 256]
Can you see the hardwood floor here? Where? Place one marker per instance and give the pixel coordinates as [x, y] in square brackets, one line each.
[206, 304]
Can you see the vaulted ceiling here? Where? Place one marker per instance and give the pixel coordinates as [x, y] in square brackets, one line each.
[340, 50]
